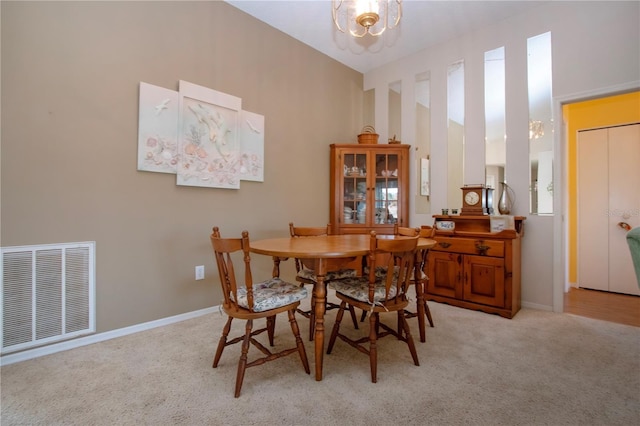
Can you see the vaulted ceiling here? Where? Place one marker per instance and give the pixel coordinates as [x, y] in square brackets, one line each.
[424, 24]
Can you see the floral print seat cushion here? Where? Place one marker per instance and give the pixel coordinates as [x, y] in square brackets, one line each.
[331, 275]
[381, 272]
[358, 288]
[270, 294]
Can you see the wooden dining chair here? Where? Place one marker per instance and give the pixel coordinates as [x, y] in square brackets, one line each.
[375, 295]
[247, 300]
[425, 232]
[305, 273]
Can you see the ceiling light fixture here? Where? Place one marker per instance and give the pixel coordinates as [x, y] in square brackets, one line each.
[362, 17]
[536, 129]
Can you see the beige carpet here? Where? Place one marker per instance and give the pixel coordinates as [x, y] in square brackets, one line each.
[539, 368]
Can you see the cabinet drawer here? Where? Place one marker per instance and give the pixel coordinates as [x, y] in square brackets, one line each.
[470, 246]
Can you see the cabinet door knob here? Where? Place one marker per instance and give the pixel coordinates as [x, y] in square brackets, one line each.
[444, 245]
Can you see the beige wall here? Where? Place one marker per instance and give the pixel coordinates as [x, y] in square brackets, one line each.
[70, 76]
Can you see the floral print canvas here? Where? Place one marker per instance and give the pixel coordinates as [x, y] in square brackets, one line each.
[208, 143]
[158, 129]
[199, 134]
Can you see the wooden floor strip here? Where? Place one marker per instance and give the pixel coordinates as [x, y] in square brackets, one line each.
[613, 307]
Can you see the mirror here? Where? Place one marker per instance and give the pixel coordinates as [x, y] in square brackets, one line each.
[369, 110]
[494, 117]
[540, 124]
[455, 133]
[423, 141]
[395, 110]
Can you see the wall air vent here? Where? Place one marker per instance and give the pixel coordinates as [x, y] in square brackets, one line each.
[47, 294]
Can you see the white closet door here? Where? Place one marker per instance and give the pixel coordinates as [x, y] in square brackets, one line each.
[608, 194]
[593, 205]
[624, 204]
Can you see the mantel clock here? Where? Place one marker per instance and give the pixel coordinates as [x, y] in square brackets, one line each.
[476, 200]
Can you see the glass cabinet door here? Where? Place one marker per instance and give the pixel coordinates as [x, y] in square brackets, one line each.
[386, 189]
[355, 188]
[369, 185]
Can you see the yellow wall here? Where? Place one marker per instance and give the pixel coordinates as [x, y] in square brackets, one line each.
[620, 109]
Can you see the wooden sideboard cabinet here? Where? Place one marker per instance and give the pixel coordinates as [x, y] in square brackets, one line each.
[369, 188]
[474, 268]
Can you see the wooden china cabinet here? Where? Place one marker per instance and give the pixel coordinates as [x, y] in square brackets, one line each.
[369, 188]
[474, 268]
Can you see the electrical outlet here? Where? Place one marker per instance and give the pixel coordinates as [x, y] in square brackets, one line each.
[200, 272]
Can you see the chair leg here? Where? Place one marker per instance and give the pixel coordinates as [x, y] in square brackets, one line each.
[428, 312]
[312, 317]
[222, 342]
[409, 340]
[336, 327]
[352, 311]
[242, 363]
[299, 344]
[373, 346]
[363, 316]
[426, 307]
[271, 326]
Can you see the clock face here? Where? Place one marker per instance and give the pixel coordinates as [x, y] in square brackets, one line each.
[471, 198]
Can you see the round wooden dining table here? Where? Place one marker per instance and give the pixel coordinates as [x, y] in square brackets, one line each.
[321, 249]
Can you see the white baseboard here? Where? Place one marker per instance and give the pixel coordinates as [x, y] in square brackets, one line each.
[100, 337]
[537, 306]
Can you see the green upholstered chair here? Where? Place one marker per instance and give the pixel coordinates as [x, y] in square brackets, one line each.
[633, 239]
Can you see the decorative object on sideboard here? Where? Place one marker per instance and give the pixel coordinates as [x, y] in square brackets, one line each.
[501, 223]
[507, 199]
[477, 200]
[368, 136]
[445, 225]
[393, 140]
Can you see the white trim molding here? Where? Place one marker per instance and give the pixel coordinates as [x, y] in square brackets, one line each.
[100, 337]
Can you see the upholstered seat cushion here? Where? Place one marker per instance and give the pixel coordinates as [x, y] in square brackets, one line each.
[270, 294]
[358, 288]
[331, 275]
[381, 272]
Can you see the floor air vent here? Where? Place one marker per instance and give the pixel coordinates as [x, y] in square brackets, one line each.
[47, 294]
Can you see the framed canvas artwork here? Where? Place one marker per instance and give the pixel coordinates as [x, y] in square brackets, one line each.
[157, 129]
[251, 146]
[208, 143]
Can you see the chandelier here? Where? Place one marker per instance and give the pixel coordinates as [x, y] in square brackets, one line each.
[362, 17]
[536, 129]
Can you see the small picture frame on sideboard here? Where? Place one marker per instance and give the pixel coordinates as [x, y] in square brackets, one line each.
[501, 223]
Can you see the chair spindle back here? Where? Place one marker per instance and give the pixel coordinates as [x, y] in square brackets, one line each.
[400, 261]
[223, 249]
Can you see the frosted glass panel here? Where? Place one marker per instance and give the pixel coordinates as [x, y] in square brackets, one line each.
[369, 110]
[494, 115]
[455, 133]
[540, 124]
[395, 110]
[423, 141]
